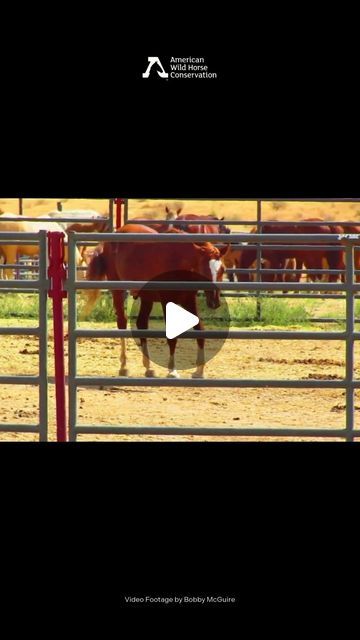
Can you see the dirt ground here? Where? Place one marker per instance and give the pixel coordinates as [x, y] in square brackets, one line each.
[261, 359]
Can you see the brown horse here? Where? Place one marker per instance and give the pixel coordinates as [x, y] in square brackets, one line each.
[232, 260]
[160, 227]
[202, 224]
[87, 227]
[311, 259]
[151, 261]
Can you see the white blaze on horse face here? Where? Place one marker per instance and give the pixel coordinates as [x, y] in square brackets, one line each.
[214, 268]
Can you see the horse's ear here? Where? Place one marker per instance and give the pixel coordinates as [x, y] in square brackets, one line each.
[223, 218]
[167, 209]
[179, 210]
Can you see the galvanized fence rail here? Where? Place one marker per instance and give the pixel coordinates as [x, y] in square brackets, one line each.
[349, 383]
[39, 285]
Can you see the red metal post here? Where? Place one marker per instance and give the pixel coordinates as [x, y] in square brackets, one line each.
[119, 204]
[57, 275]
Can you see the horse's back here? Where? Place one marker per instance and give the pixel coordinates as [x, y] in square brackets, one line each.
[16, 227]
[136, 228]
[73, 213]
[43, 225]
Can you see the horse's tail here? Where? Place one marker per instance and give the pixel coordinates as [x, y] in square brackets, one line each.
[96, 270]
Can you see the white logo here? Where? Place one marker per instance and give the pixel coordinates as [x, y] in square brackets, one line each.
[178, 320]
[153, 61]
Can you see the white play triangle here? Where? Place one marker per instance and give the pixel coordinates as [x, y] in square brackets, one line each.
[178, 320]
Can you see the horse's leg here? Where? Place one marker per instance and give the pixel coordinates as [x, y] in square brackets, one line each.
[142, 322]
[230, 265]
[172, 373]
[298, 267]
[237, 265]
[10, 257]
[118, 299]
[320, 263]
[200, 360]
[336, 261]
[324, 276]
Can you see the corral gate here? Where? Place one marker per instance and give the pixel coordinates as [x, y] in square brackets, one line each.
[48, 283]
[349, 384]
[41, 286]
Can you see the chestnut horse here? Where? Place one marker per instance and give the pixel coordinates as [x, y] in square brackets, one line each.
[312, 259]
[151, 261]
[202, 223]
[160, 227]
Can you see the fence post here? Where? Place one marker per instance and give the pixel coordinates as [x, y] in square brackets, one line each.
[350, 328]
[111, 215]
[57, 276]
[258, 261]
[126, 210]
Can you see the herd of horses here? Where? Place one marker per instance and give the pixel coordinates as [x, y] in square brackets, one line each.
[9, 253]
[290, 264]
[188, 262]
[197, 261]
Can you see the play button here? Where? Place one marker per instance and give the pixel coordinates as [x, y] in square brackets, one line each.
[178, 320]
[169, 316]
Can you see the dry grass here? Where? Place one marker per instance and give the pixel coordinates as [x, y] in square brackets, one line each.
[40, 206]
[232, 209]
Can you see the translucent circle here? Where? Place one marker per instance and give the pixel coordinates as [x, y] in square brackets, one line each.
[211, 309]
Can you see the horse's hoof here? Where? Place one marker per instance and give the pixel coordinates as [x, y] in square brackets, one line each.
[150, 373]
[197, 375]
[173, 374]
[124, 373]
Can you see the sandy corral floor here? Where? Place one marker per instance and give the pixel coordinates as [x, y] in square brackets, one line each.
[261, 359]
